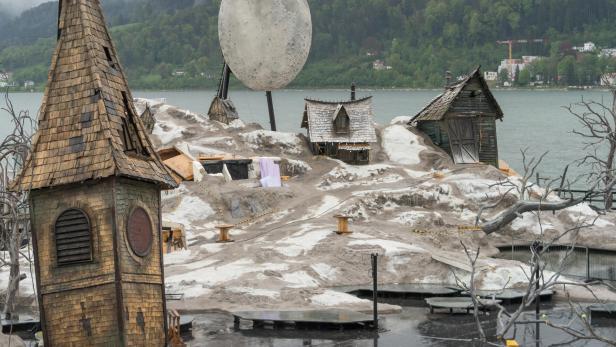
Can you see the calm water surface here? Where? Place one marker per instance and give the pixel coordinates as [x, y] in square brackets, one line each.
[533, 119]
[413, 327]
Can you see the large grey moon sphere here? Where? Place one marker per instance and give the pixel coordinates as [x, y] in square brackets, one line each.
[265, 42]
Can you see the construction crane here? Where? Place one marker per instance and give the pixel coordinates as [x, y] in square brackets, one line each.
[512, 42]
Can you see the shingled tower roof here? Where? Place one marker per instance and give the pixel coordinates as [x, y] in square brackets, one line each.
[88, 126]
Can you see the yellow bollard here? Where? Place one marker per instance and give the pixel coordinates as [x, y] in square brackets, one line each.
[223, 236]
[343, 225]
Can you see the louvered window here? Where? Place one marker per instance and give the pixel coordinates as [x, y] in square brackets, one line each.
[73, 238]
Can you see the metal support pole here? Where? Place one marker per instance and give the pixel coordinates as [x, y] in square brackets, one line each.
[270, 107]
[587, 264]
[375, 292]
[225, 81]
[537, 306]
[537, 249]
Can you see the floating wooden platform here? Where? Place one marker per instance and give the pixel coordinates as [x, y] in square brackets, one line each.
[602, 312]
[403, 291]
[311, 334]
[511, 295]
[458, 303]
[25, 323]
[312, 319]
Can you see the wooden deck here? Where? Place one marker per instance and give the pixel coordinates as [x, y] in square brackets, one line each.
[604, 313]
[458, 303]
[402, 291]
[25, 323]
[317, 319]
[511, 295]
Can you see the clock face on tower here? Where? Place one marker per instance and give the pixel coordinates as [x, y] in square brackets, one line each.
[139, 232]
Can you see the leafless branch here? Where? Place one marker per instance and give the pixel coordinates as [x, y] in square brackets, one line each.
[14, 210]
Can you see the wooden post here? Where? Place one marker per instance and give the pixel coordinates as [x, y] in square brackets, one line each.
[223, 236]
[270, 107]
[562, 181]
[343, 225]
[353, 98]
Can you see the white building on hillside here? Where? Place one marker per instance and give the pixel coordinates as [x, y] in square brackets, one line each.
[515, 65]
[490, 75]
[588, 47]
[379, 65]
[608, 52]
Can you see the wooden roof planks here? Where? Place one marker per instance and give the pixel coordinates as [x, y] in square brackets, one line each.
[319, 119]
[440, 107]
[88, 127]
[180, 163]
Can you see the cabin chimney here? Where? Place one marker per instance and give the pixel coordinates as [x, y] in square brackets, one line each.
[447, 78]
[353, 91]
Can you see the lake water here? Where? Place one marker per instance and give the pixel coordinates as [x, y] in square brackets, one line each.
[533, 119]
[414, 326]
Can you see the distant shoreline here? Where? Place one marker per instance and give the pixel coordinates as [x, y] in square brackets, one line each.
[334, 89]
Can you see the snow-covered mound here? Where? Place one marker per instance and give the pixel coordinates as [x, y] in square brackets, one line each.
[407, 205]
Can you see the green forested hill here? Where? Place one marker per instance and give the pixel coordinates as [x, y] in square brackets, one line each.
[420, 39]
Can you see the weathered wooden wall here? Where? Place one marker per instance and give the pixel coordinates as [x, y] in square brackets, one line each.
[485, 133]
[64, 289]
[349, 157]
[437, 132]
[472, 101]
[142, 277]
[122, 302]
[488, 143]
[93, 324]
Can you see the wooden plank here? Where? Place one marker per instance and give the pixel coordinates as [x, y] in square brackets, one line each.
[182, 165]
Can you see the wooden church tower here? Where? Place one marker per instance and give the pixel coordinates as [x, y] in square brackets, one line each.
[95, 184]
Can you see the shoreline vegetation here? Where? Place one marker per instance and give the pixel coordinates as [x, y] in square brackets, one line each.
[173, 45]
[360, 88]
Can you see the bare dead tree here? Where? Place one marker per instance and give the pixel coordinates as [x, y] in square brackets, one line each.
[14, 212]
[471, 287]
[539, 280]
[598, 130]
[530, 197]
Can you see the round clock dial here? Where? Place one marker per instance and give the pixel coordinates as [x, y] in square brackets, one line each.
[139, 232]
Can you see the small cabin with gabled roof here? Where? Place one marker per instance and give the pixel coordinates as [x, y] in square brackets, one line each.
[462, 121]
[223, 110]
[342, 130]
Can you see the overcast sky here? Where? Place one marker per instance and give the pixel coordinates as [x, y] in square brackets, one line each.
[17, 6]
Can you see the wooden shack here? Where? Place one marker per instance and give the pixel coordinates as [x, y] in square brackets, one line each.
[342, 130]
[95, 201]
[222, 110]
[462, 121]
[147, 117]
